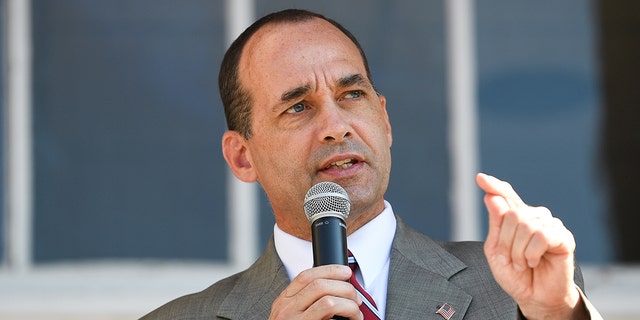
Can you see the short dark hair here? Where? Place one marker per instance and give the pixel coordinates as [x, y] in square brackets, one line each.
[236, 99]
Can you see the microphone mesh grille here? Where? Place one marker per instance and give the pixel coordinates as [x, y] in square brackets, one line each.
[327, 198]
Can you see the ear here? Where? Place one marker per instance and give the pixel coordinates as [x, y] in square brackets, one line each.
[238, 156]
[383, 104]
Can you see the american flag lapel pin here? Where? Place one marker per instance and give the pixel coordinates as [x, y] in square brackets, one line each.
[446, 311]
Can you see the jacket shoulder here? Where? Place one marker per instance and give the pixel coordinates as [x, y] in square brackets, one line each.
[199, 305]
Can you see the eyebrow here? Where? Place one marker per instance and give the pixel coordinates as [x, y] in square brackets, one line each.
[295, 93]
[350, 80]
[354, 79]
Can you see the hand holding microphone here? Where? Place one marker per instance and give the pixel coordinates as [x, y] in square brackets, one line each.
[323, 291]
[327, 206]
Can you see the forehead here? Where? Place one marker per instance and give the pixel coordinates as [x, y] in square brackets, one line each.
[286, 53]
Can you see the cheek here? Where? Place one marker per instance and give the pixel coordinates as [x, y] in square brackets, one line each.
[275, 157]
[377, 127]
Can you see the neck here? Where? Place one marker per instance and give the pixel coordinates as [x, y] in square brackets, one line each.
[301, 228]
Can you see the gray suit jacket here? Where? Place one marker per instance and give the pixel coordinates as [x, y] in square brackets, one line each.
[423, 275]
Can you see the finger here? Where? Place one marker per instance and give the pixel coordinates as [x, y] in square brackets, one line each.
[497, 207]
[504, 247]
[335, 272]
[312, 284]
[529, 225]
[330, 306]
[325, 283]
[330, 297]
[493, 185]
[537, 247]
[325, 286]
[552, 238]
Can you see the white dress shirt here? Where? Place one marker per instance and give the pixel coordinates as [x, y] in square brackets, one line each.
[370, 245]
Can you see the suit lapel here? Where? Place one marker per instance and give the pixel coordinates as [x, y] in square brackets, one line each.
[258, 287]
[419, 265]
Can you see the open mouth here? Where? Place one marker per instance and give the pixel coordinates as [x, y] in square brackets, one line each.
[341, 164]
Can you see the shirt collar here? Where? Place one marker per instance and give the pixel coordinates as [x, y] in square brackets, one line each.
[370, 245]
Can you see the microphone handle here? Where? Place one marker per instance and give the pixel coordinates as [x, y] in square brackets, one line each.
[329, 239]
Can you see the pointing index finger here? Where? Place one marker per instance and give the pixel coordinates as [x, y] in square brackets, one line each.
[494, 186]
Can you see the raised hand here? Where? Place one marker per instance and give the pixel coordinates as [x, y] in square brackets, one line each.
[530, 253]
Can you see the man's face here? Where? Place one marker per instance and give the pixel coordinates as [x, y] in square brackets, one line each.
[315, 117]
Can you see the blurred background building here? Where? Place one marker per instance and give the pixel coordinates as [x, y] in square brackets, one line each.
[116, 198]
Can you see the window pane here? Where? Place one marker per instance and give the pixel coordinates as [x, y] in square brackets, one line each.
[127, 122]
[539, 111]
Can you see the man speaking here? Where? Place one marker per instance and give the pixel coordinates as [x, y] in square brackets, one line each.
[301, 109]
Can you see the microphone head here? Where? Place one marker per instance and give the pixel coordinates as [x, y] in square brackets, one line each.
[326, 199]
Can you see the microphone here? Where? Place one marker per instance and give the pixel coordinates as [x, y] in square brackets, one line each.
[327, 206]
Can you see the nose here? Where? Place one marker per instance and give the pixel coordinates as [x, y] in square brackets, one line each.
[335, 123]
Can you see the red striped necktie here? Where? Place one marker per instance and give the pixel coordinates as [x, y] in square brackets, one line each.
[368, 306]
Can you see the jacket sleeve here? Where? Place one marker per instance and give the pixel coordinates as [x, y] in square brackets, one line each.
[593, 313]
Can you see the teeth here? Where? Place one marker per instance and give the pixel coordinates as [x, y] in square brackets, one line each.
[342, 164]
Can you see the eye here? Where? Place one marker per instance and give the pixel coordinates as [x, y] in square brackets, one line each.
[354, 94]
[296, 108]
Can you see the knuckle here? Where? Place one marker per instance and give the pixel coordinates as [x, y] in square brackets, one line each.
[558, 223]
[327, 302]
[506, 185]
[336, 269]
[527, 227]
[303, 277]
[544, 211]
[317, 285]
[512, 216]
[540, 236]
